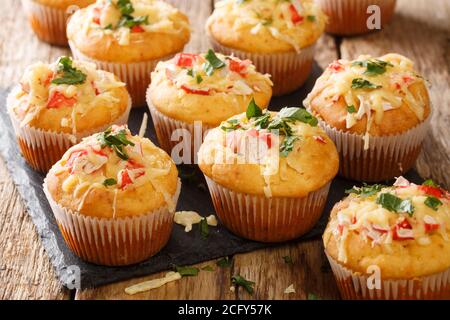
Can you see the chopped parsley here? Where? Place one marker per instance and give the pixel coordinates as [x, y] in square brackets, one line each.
[109, 182]
[231, 125]
[392, 203]
[359, 83]
[253, 110]
[373, 67]
[351, 109]
[287, 145]
[67, 74]
[430, 183]
[115, 141]
[208, 268]
[433, 202]
[224, 262]
[240, 281]
[366, 190]
[311, 18]
[212, 62]
[198, 79]
[187, 271]
[204, 228]
[127, 20]
[312, 296]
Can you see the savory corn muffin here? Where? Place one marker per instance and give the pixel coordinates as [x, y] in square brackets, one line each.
[278, 36]
[57, 104]
[376, 110]
[205, 89]
[269, 172]
[48, 18]
[351, 17]
[398, 234]
[121, 185]
[128, 38]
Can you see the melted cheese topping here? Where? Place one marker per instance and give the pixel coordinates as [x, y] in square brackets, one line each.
[291, 21]
[105, 17]
[366, 218]
[37, 93]
[392, 89]
[187, 72]
[249, 145]
[92, 165]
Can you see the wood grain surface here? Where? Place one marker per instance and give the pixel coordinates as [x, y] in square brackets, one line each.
[420, 30]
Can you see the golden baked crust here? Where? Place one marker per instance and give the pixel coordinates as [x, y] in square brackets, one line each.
[243, 161]
[97, 101]
[263, 26]
[399, 105]
[64, 4]
[207, 98]
[362, 233]
[144, 182]
[166, 33]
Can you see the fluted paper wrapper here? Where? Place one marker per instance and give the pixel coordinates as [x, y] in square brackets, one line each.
[349, 17]
[386, 158]
[266, 219]
[353, 285]
[166, 126]
[135, 74]
[114, 242]
[289, 70]
[43, 148]
[48, 23]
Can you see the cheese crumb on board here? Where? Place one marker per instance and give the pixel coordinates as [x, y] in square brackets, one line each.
[189, 218]
[211, 220]
[290, 289]
[153, 284]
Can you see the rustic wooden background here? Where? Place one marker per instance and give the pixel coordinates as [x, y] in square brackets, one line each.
[420, 30]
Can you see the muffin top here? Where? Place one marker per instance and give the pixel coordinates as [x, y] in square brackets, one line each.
[113, 174]
[128, 30]
[371, 96]
[207, 87]
[64, 4]
[68, 96]
[280, 154]
[403, 229]
[266, 26]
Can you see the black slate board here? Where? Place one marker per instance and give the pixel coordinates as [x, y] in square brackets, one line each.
[183, 248]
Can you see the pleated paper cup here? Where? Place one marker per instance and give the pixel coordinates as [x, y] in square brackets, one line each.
[266, 219]
[48, 23]
[386, 158]
[289, 70]
[350, 17]
[171, 132]
[136, 74]
[114, 242]
[43, 148]
[354, 285]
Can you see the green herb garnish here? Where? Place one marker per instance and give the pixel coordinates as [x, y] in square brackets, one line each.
[253, 110]
[198, 79]
[125, 7]
[212, 62]
[204, 228]
[240, 281]
[190, 72]
[429, 183]
[366, 190]
[433, 202]
[359, 83]
[187, 271]
[127, 20]
[392, 203]
[231, 125]
[67, 73]
[312, 296]
[311, 18]
[208, 268]
[224, 262]
[287, 145]
[351, 109]
[373, 67]
[116, 141]
[109, 182]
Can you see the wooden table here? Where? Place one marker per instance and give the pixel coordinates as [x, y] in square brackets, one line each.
[420, 30]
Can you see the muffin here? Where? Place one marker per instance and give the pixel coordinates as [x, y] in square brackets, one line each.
[114, 196]
[57, 104]
[269, 173]
[278, 36]
[128, 38]
[376, 110]
[351, 17]
[48, 18]
[199, 91]
[397, 236]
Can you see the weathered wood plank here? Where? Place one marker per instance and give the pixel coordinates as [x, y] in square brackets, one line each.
[420, 30]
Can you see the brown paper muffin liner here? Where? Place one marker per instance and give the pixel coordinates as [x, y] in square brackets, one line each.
[48, 23]
[386, 158]
[349, 17]
[114, 242]
[353, 285]
[265, 219]
[289, 70]
[136, 75]
[43, 148]
[166, 126]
